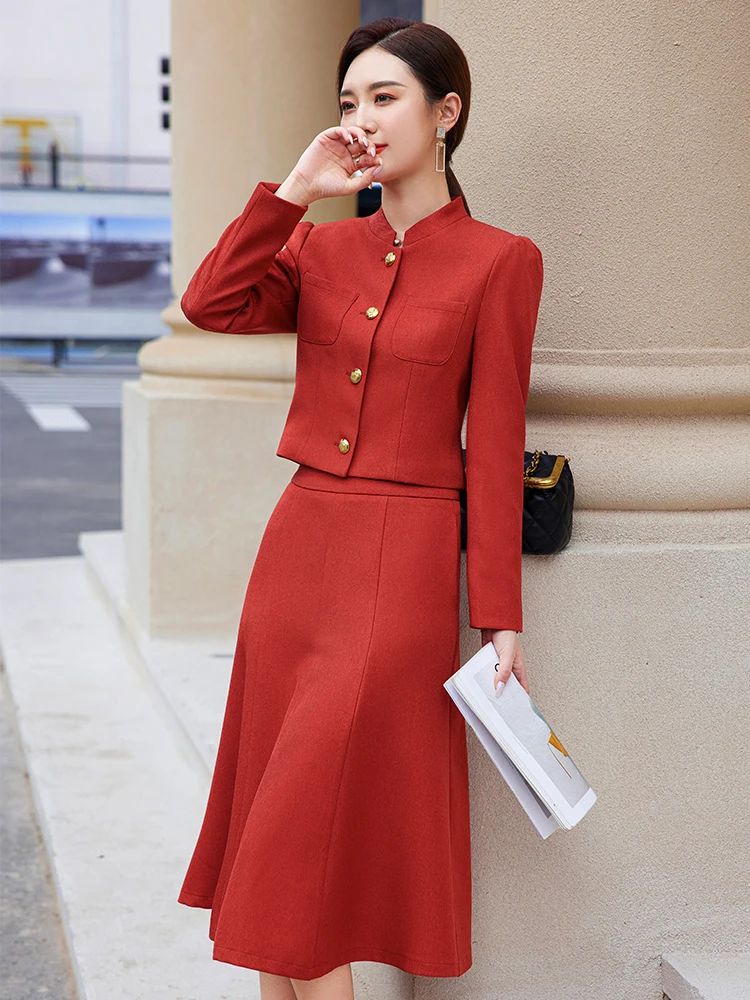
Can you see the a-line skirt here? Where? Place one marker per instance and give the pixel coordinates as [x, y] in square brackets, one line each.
[337, 822]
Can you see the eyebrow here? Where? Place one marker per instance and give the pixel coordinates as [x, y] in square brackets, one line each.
[374, 86]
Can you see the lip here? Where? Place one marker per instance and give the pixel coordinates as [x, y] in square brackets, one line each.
[379, 147]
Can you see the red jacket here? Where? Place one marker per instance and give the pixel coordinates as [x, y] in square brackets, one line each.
[393, 342]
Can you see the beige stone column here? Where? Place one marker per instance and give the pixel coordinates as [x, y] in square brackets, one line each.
[615, 135]
[200, 427]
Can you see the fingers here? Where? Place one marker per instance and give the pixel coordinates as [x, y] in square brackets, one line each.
[364, 157]
[505, 666]
[362, 161]
[504, 669]
[355, 139]
[365, 161]
[363, 177]
[509, 661]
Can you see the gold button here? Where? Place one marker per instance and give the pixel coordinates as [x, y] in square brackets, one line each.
[372, 312]
[343, 446]
[356, 375]
[389, 258]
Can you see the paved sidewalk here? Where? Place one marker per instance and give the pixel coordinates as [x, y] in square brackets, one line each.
[118, 787]
[34, 959]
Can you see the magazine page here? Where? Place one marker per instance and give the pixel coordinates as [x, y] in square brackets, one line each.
[540, 816]
[522, 717]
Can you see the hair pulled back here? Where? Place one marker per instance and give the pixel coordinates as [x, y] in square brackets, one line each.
[436, 60]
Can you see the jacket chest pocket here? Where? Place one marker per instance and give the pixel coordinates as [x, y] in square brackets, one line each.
[427, 330]
[321, 308]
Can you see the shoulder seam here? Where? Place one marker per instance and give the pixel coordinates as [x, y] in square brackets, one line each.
[494, 261]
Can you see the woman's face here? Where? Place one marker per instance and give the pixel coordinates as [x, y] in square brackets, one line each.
[394, 114]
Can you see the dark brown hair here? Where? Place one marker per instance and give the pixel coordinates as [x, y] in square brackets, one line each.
[436, 60]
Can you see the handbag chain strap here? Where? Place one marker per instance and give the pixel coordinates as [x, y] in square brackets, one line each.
[532, 464]
[543, 482]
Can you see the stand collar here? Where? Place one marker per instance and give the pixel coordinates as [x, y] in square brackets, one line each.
[426, 226]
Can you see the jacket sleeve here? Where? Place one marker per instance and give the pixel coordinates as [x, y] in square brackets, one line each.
[249, 282]
[496, 435]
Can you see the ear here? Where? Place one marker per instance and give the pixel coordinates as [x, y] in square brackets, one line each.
[450, 109]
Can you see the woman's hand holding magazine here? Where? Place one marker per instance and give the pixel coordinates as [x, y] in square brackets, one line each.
[509, 657]
[521, 743]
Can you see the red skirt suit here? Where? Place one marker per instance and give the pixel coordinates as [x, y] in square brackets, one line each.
[337, 822]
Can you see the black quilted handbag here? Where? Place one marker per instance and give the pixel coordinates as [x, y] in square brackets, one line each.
[548, 498]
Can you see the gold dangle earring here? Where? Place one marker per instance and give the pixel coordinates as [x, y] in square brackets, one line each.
[440, 149]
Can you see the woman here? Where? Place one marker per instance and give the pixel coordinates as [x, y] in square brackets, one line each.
[337, 823]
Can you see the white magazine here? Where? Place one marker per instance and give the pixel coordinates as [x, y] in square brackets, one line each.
[521, 744]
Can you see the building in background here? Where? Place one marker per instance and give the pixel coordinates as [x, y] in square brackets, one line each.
[85, 170]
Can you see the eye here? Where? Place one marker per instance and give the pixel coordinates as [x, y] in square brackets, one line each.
[346, 105]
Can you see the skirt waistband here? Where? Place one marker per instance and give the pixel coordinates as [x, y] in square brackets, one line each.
[317, 479]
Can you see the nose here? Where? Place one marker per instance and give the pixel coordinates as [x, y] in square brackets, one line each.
[365, 126]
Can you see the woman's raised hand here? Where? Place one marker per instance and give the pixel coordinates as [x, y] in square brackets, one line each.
[326, 168]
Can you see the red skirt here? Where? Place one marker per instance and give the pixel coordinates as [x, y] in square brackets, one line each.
[337, 822]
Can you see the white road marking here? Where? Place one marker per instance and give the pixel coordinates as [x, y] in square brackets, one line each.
[49, 417]
[71, 390]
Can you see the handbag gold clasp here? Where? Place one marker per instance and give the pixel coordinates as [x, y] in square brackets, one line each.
[543, 482]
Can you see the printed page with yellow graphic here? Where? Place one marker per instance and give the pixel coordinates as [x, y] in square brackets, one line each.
[522, 744]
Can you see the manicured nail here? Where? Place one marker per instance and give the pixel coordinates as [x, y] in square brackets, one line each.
[499, 688]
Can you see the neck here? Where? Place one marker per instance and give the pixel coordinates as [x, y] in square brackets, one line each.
[407, 201]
